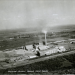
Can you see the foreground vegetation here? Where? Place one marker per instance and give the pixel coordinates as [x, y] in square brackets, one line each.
[63, 64]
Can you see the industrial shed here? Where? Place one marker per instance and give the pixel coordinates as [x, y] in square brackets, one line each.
[20, 51]
[61, 48]
[43, 47]
[3, 56]
[29, 47]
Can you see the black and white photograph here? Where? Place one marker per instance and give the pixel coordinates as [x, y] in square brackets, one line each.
[37, 37]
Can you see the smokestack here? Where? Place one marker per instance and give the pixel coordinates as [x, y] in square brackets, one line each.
[45, 32]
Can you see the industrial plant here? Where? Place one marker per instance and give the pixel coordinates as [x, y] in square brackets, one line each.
[23, 55]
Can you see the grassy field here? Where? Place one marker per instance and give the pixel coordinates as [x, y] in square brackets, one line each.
[14, 39]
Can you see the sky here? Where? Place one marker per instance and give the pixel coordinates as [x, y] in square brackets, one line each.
[36, 13]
